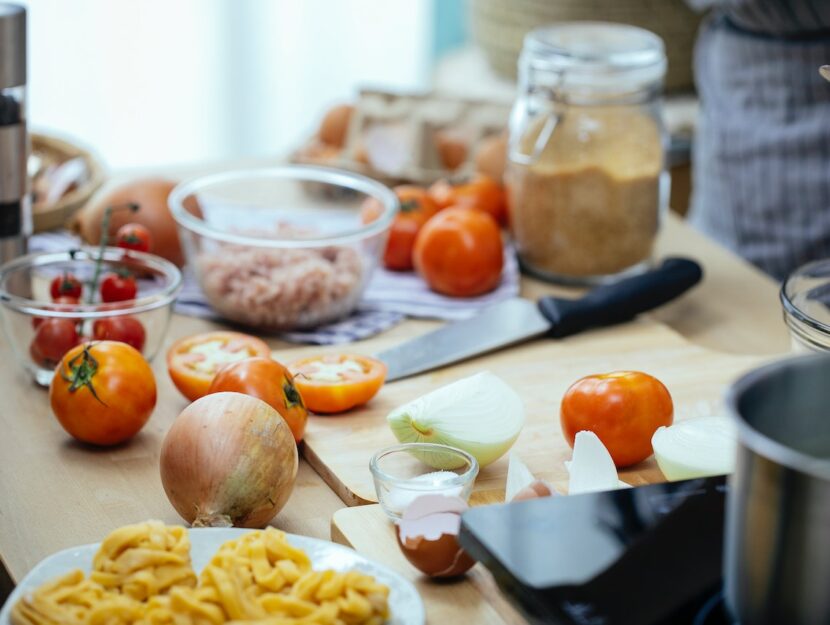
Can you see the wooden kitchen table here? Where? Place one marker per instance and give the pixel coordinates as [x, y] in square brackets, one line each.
[56, 493]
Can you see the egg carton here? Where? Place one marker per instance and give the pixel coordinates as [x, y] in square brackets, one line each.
[410, 138]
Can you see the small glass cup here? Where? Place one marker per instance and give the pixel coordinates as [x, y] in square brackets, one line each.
[805, 298]
[401, 476]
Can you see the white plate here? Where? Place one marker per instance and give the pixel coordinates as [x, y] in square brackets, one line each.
[404, 602]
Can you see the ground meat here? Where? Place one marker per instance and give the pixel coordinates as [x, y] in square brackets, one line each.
[282, 289]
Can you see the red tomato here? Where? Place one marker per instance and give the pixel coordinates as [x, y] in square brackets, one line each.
[194, 361]
[63, 299]
[459, 253]
[416, 209]
[336, 383]
[53, 338]
[268, 380]
[623, 409]
[103, 392]
[122, 328]
[133, 237]
[116, 288]
[481, 193]
[66, 285]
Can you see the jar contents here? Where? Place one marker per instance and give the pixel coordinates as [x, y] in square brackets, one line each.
[586, 199]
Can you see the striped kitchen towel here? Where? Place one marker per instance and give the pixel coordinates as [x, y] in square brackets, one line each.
[388, 300]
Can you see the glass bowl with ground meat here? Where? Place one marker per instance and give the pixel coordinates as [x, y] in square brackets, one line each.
[283, 248]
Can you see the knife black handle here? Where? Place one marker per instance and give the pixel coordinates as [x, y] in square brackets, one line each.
[621, 301]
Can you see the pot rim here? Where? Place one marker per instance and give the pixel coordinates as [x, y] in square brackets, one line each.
[763, 445]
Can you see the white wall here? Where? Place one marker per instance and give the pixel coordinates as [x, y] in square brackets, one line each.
[149, 82]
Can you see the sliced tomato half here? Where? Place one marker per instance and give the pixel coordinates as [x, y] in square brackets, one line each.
[336, 383]
[194, 361]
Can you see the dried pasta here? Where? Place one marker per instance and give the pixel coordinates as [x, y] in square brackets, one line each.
[142, 576]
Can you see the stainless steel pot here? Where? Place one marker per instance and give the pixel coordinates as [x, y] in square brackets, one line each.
[777, 560]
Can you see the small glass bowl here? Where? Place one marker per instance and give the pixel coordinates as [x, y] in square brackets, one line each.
[400, 477]
[805, 297]
[283, 248]
[37, 328]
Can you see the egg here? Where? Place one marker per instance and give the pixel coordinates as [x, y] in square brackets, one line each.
[534, 490]
[452, 150]
[491, 156]
[428, 536]
[335, 125]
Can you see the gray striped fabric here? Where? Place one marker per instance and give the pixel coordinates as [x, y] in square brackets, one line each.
[762, 153]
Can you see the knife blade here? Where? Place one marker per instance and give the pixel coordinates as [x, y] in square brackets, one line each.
[516, 320]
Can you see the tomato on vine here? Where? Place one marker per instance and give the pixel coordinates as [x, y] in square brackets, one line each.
[118, 288]
[65, 285]
[134, 236]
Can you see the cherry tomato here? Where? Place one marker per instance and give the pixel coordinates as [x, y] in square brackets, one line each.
[268, 380]
[103, 392]
[122, 328]
[65, 285]
[416, 208]
[483, 194]
[117, 288]
[336, 383]
[193, 362]
[134, 237]
[53, 338]
[64, 300]
[459, 253]
[623, 409]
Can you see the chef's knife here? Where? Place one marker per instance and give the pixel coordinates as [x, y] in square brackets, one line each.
[517, 319]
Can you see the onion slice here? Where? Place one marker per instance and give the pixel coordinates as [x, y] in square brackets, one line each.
[697, 447]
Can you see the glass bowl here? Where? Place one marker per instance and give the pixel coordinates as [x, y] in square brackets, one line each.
[284, 248]
[805, 297]
[41, 331]
[400, 477]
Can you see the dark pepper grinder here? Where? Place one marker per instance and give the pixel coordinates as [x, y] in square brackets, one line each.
[15, 203]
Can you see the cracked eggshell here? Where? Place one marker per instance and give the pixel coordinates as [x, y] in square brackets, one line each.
[428, 536]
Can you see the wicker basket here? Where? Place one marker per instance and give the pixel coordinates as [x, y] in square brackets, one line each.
[53, 149]
[499, 27]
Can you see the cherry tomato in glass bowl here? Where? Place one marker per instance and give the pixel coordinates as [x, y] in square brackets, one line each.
[134, 237]
[268, 380]
[459, 252]
[193, 362]
[416, 209]
[623, 408]
[336, 383]
[122, 328]
[53, 338]
[62, 300]
[118, 288]
[66, 285]
[103, 392]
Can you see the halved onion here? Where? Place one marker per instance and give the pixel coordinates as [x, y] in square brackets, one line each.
[480, 414]
[697, 447]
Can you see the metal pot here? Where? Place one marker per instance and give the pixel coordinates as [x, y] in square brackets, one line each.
[777, 559]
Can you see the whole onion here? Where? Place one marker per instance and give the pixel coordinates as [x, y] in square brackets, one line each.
[228, 459]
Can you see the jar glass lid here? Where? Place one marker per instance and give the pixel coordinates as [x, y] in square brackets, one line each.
[596, 54]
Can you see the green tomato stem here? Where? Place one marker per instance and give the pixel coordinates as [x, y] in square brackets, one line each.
[105, 235]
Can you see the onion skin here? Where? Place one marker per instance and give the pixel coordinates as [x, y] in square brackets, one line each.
[228, 460]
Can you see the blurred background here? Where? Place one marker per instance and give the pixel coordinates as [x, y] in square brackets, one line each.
[161, 83]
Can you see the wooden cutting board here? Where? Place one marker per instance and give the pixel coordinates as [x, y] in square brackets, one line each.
[340, 447]
[473, 599]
